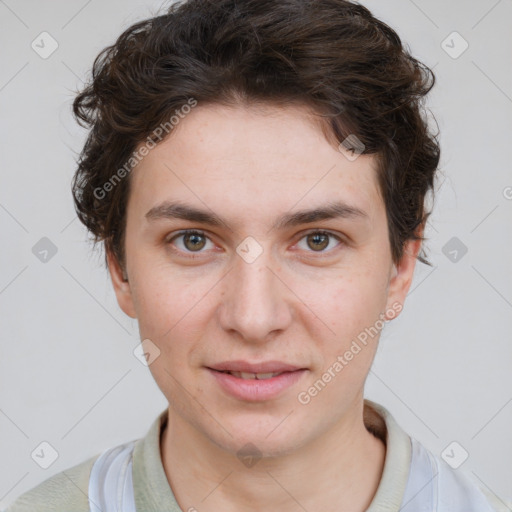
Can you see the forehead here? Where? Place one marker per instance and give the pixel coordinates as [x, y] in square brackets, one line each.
[261, 159]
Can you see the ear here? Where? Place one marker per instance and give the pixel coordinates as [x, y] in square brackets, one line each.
[121, 285]
[401, 277]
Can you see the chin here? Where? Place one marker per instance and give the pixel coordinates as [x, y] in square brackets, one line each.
[261, 442]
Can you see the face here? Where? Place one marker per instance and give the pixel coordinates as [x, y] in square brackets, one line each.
[262, 284]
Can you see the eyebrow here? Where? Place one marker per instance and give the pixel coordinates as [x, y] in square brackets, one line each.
[177, 210]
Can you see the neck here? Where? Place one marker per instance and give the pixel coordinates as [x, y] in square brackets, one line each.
[341, 470]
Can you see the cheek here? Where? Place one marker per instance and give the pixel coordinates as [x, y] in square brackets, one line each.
[170, 314]
[173, 312]
[167, 301]
[352, 308]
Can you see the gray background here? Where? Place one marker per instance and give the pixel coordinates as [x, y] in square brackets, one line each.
[68, 375]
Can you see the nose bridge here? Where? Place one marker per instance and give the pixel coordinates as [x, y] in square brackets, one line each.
[255, 302]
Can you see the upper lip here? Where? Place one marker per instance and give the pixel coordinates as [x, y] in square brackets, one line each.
[263, 367]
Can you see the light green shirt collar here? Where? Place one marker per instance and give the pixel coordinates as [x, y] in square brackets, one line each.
[153, 492]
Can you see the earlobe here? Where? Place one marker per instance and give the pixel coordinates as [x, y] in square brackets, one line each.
[122, 287]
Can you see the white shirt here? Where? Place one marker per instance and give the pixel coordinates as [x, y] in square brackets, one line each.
[413, 480]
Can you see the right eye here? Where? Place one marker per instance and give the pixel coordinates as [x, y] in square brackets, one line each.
[192, 241]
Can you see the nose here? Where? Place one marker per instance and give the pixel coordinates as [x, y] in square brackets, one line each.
[256, 302]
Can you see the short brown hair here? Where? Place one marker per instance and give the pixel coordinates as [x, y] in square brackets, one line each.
[331, 55]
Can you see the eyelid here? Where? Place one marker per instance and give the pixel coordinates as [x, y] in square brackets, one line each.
[190, 231]
[319, 230]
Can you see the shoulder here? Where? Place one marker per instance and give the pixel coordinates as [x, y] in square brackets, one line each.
[498, 504]
[458, 489]
[66, 491]
[432, 481]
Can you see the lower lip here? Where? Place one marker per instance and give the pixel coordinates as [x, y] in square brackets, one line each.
[254, 390]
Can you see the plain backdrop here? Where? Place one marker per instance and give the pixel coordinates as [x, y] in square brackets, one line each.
[68, 375]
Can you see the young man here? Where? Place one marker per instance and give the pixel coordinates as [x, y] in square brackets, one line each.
[257, 172]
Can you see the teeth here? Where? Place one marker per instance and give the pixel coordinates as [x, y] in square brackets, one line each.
[244, 375]
[262, 376]
[258, 376]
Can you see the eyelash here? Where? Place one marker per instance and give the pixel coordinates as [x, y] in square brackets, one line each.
[192, 255]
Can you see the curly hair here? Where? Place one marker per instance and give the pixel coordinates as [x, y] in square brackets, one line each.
[333, 56]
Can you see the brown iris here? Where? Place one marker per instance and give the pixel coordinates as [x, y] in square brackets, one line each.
[196, 241]
[320, 240]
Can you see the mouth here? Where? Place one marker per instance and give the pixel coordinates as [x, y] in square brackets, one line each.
[251, 376]
[255, 382]
[262, 368]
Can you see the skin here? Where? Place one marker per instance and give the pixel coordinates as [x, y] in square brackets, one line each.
[295, 303]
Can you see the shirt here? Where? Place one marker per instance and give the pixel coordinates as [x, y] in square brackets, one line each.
[130, 478]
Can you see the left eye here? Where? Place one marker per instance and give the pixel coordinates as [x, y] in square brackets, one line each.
[319, 240]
